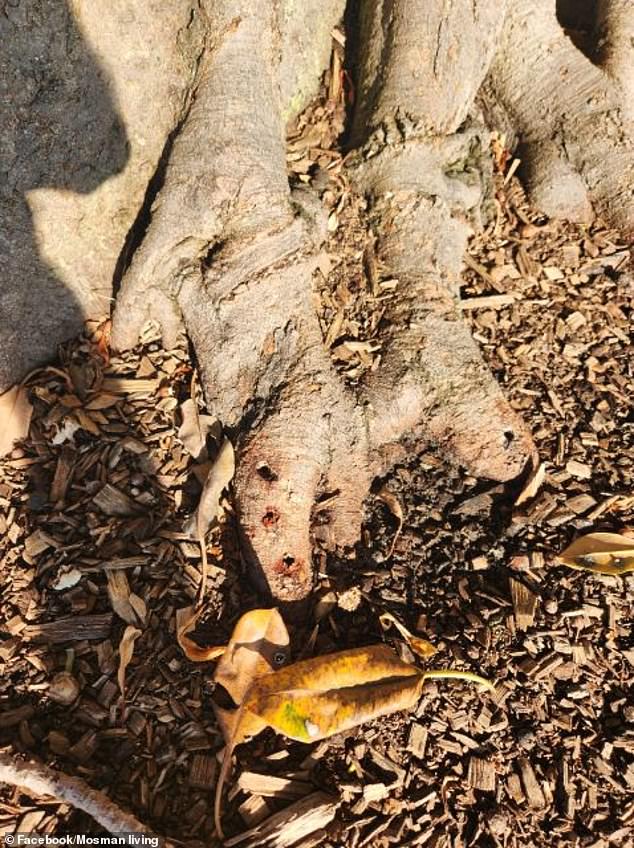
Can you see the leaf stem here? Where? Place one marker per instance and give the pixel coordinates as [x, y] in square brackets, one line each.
[442, 673]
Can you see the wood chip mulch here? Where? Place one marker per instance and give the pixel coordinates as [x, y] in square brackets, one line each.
[94, 539]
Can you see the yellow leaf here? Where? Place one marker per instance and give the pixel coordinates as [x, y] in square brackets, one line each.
[317, 698]
[420, 646]
[312, 699]
[15, 417]
[602, 553]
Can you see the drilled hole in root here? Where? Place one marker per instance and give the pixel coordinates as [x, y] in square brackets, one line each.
[271, 517]
[288, 566]
[266, 472]
[509, 437]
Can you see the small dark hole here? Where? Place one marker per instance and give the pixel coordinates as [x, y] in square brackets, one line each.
[266, 473]
[288, 560]
[509, 437]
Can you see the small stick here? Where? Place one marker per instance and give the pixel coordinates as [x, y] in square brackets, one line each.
[41, 780]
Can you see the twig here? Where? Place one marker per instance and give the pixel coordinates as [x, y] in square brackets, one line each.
[41, 780]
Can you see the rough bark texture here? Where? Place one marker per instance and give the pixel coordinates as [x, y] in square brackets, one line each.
[231, 252]
[423, 61]
[576, 144]
[425, 182]
[92, 98]
[76, 153]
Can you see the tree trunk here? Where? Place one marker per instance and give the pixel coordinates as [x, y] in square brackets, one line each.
[211, 238]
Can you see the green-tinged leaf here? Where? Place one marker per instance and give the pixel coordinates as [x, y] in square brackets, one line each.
[312, 699]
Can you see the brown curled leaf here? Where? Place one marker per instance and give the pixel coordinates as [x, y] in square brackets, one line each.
[421, 647]
[186, 620]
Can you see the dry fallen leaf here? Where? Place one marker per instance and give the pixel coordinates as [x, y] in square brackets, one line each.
[15, 417]
[186, 621]
[258, 645]
[602, 553]
[219, 477]
[419, 646]
[194, 429]
[317, 698]
[126, 650]
[308, 700]
[394, 506]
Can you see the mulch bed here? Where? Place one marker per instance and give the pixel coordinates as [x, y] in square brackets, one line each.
[94, 538]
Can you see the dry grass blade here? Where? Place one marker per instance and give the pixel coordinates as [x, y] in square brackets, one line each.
[15, 417]
[602, 553]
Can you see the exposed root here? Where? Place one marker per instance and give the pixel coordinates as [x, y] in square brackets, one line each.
[573, 118]
[231, 252]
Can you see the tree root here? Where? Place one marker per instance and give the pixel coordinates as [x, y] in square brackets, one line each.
[231, 253]
[574, 119]
[43, 781]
